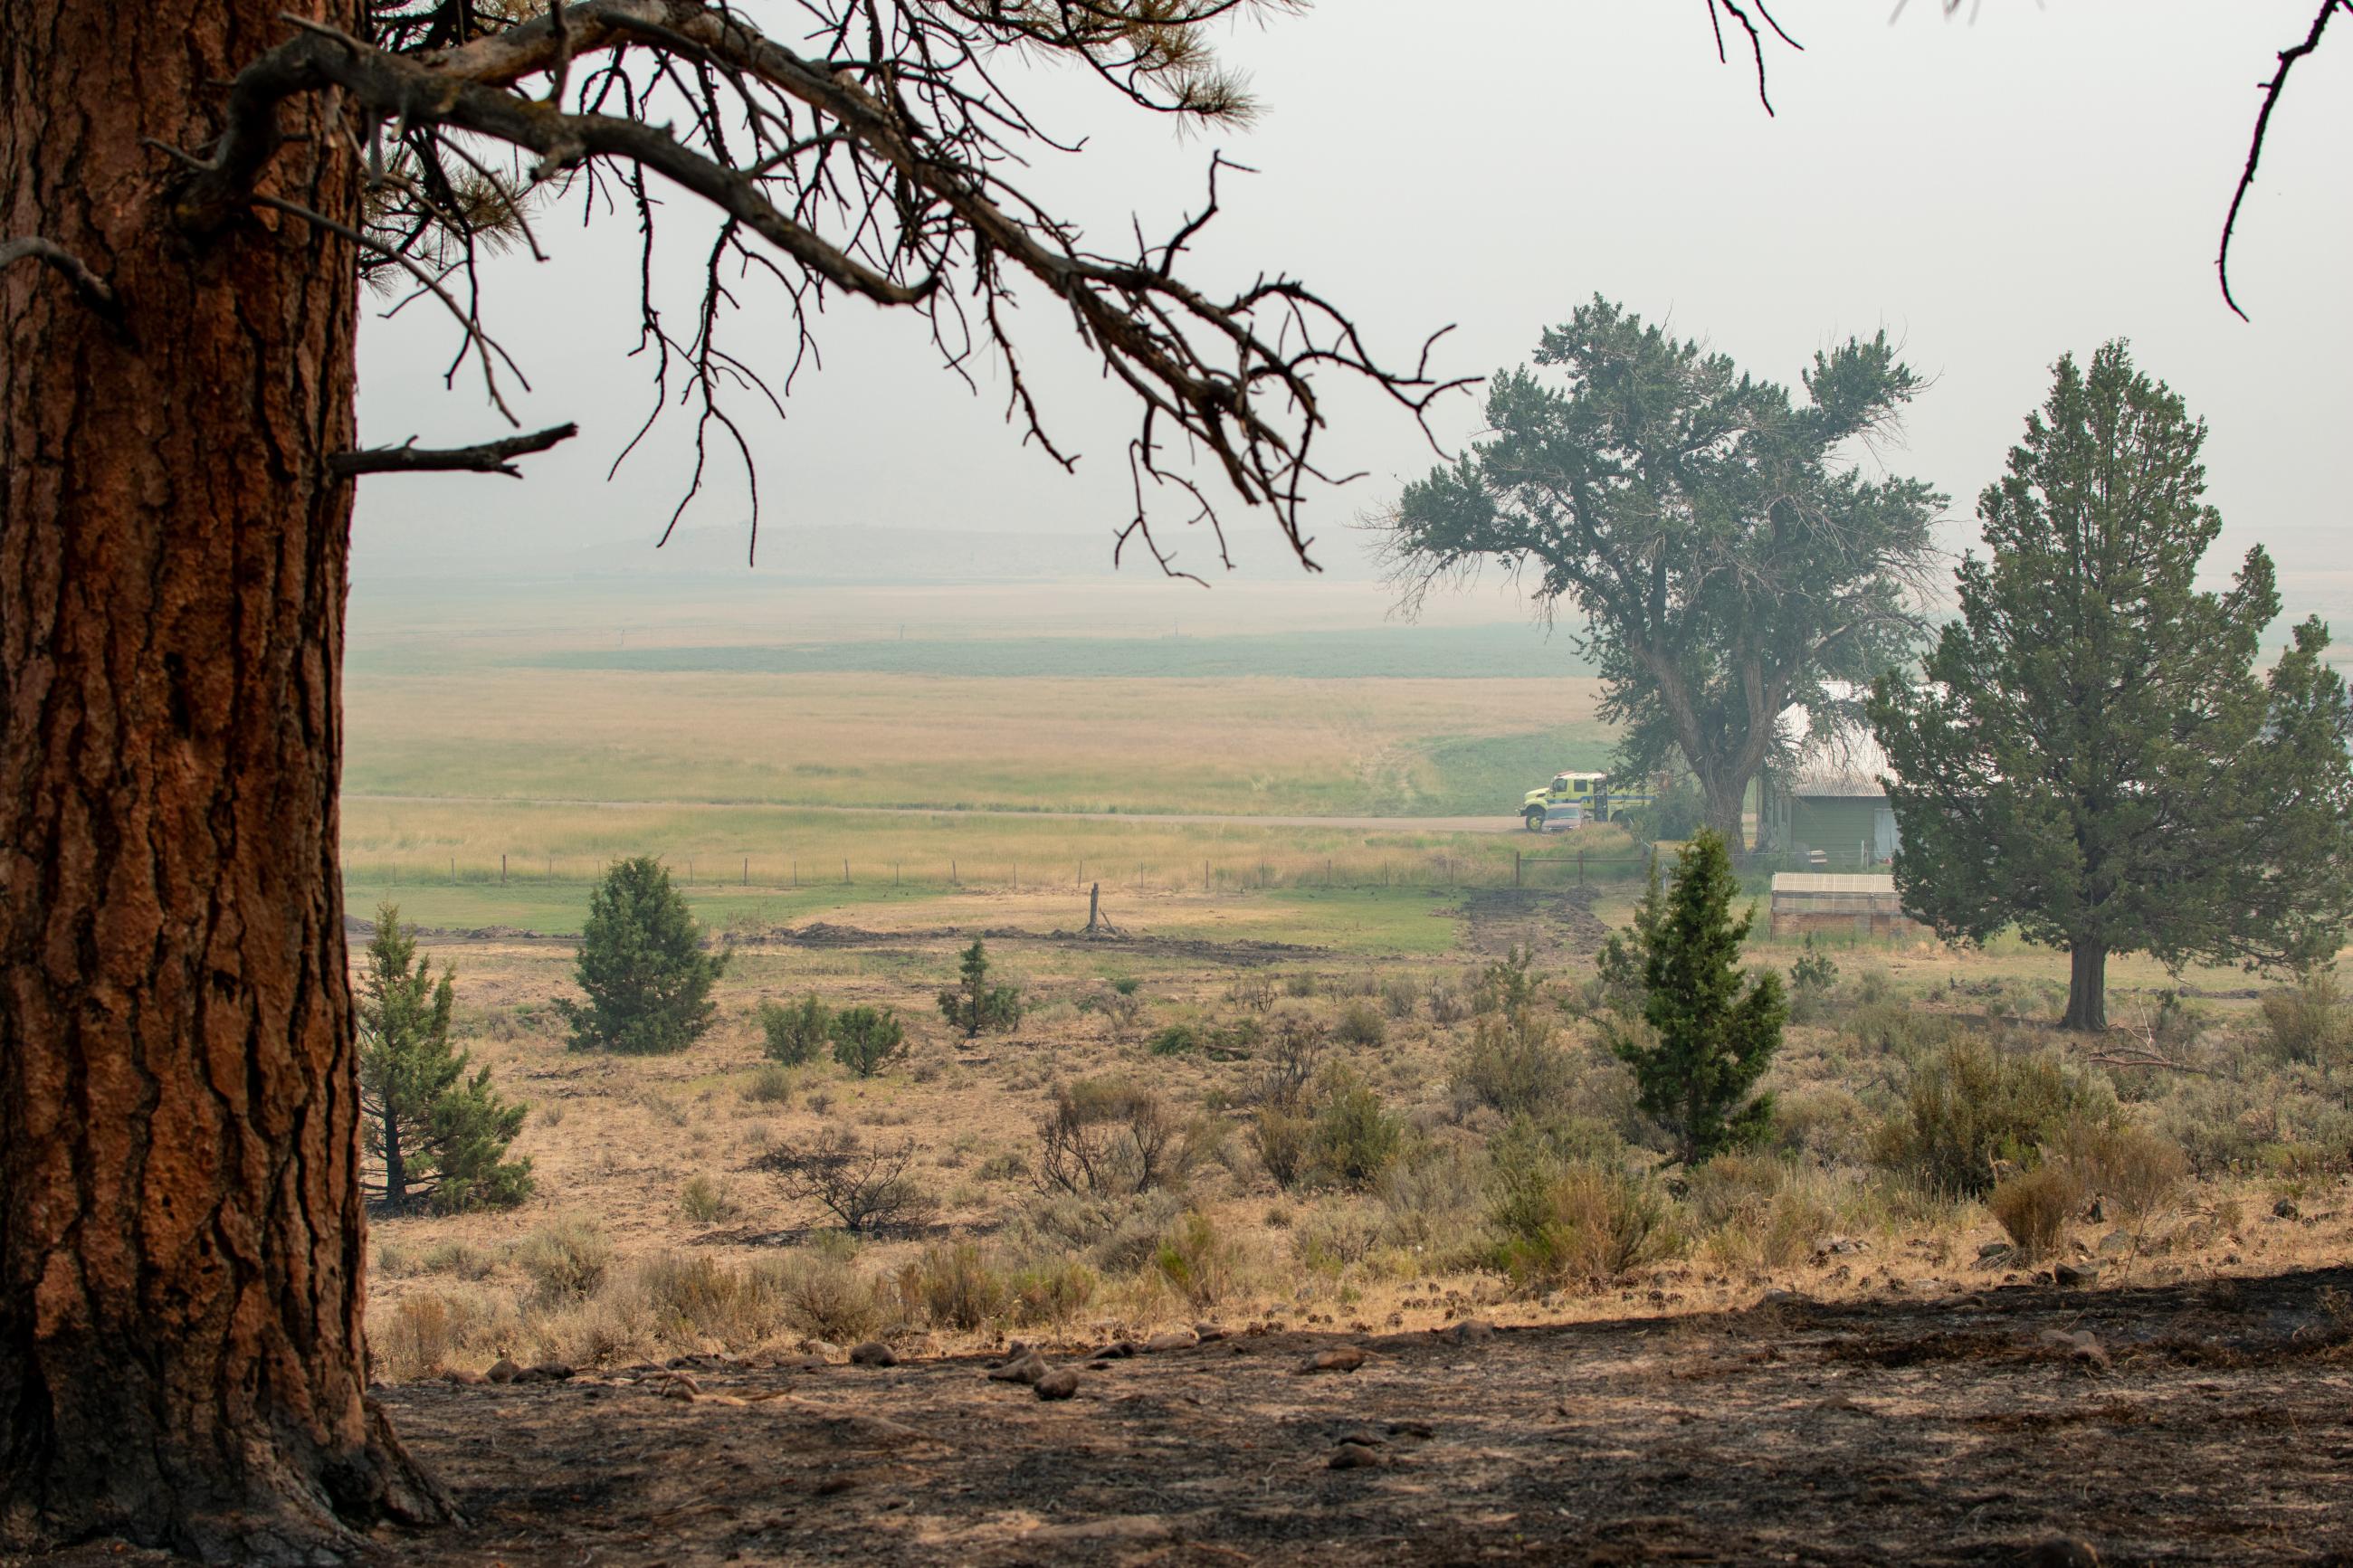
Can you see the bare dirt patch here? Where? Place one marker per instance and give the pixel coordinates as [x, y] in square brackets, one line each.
[1552, 924]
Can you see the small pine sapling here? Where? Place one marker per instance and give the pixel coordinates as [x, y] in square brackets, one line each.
[867, 1039]
[795, 1034]
[973, 1004]
[442, 1135]
[642, 965]
[1812, 978]
[1711, 1032]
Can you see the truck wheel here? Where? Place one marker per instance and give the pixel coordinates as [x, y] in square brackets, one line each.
[1536, 818]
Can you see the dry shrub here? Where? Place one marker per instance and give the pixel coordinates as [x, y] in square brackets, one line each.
[1516, 1064]
[691, 1298]
[1975, 1107]
[2033, 1207]
[2137, 1174]
[1332, 1239]
[1583, 1227]
[770, 1084]
[2309, 1021]
[421, 1334]
[460, 1258]
[1432, 1198]
[863, 1185]
[414, 1340]
[1283, 1140]
[955, 1286]
[1118, 1236]
[1200, 1262]
[1108, 1137]
[1354, 1138]
[1447, 1006]
[704, 1200]
[1292, 1057]
[824, 1296]
[1254, 989]
[1053, 1293]
[1760, 1211]
[566, 1259]
[1360, 1026]
[1402, 997]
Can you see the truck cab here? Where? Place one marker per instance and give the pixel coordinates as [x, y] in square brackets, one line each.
[1589, 791]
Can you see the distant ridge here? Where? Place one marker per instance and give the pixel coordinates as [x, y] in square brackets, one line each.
[803, 552]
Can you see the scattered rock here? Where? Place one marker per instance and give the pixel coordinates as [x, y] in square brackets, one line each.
[1115, 1350]
[1469, 1331]
[1777, 1297]
[825, 1348]
[2286, 1209]
[1363, 1436]
[1060, 1384]
[1208, 1333]
[1841, 1245]
[873, 1353]
[1409, 1429]
[1355, 1457]
[2077, 1275]
[462, 1378]
[1993, 1251]
[1026, 1367]
[1174, 1340]
[503, 1371]
[2061, 1552]
[1348, 1358]
[2117, 1241]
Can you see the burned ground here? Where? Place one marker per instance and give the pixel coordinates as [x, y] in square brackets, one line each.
[2204, 1423]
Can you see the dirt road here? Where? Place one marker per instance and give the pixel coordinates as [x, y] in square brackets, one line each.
[1167, 820]
[2205, 1423]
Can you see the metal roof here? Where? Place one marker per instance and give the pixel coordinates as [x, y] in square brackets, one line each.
[1833, 882]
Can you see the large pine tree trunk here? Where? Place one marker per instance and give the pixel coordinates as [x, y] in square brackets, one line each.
[181, 1231]
[2087, 987]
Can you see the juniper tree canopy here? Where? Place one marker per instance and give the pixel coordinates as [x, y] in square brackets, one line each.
[2093, 752]
[1721, 554]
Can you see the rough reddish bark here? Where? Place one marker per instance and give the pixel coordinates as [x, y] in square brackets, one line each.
[181, 1229]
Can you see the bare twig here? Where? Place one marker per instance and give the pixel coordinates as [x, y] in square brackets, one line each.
[488, 457]
[2271, 90]
[95, 291]
[874, 156]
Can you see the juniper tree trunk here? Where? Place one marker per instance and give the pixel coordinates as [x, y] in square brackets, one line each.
[181, 1231]
[2087, 987]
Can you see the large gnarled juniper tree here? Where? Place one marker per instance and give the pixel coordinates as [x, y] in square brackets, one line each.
[1725, 563]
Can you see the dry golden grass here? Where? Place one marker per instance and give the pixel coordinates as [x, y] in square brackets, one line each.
[1241, 745]
[649, 1155]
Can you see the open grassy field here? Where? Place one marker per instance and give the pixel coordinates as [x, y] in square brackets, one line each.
[1251, 745]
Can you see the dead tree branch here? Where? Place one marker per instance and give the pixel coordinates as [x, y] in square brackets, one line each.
[878, 163]
[2271, 90]
[488, 457]
[94, 291]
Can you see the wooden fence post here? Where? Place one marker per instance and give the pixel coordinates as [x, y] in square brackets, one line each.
[503, 869]
[1515, 868]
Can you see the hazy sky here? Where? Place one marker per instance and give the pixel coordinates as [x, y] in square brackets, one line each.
[1991, 193]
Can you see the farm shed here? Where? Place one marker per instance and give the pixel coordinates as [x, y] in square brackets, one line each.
[1824, 818]
[1840, 903]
